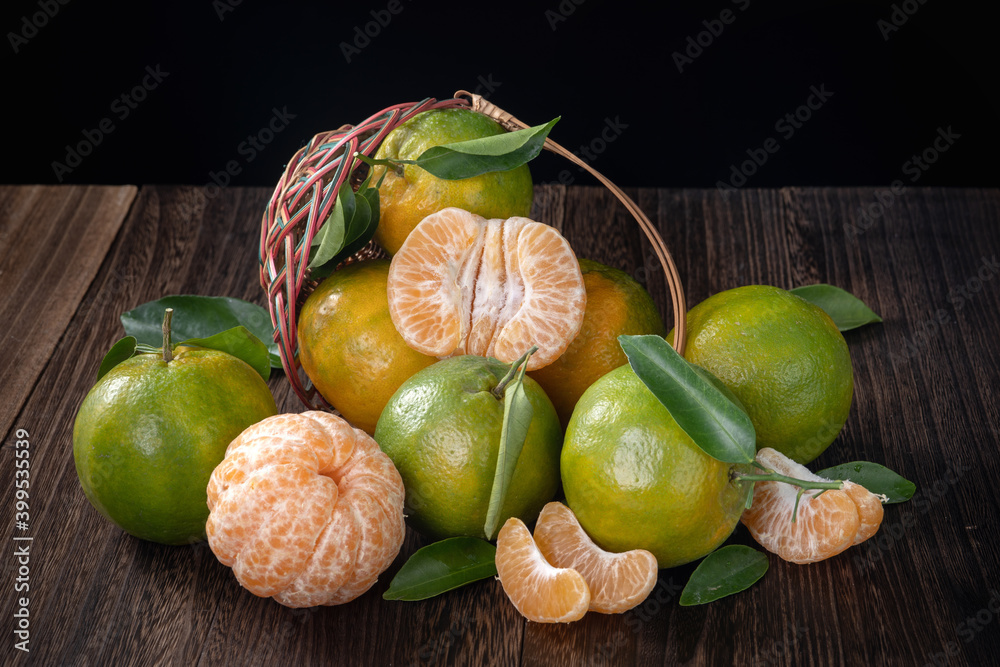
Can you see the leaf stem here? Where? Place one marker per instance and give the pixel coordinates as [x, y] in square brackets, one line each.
[772, 476]
[499, 389]
[168, 350]
[397, 165]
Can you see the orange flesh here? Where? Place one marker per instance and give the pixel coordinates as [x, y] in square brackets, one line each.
[462, 284]
[542, 593]
[617, 582]
[827, 523]
[306, 509]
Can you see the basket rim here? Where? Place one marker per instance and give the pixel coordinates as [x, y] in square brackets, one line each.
[305, 194]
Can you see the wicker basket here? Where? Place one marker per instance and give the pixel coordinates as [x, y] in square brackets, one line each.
[305, 196]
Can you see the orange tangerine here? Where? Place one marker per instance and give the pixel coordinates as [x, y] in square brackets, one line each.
[462, 284]
[541, 592]
[616, 305]
[827, 522]
[305, 509]
[348, 346]
[617, 581]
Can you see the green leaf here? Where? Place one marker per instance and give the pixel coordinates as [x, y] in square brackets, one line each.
[200, 317]
[119, 352]
[716, 423]
[722, 573]
[846, 310]
[465, 159]
[351, 233]
[329, 240]
[441, 567]
[517, 413]
[874, 477]
[240, 343]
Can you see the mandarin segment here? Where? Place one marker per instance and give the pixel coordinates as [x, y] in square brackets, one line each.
[617, 581]
[541, 592]
[869, 510]
[305, 509]
[331, 563]
[292, 525]
[827, 522]
[616, 305]
[462, 284]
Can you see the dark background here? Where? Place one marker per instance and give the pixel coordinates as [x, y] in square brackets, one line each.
[231, 63]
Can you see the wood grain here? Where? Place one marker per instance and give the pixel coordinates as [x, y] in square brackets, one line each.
[52, 241]
[925, 405]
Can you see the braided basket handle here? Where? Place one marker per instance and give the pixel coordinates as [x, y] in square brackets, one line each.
[304, 197]
[508, 121]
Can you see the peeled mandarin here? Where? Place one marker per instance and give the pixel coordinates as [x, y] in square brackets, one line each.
[305, 509]
[462, 284]
[826, 523]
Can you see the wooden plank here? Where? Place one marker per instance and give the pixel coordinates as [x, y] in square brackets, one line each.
[52, 241]
[99, 583]
[925, 405]
[870, 606]
[128, 601]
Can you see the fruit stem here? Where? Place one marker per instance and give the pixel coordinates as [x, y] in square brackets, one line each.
[499, 389]
[397, 165]
[772, 476]
[168, 350]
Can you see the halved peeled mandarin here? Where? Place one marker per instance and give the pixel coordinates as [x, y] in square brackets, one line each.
[617, 581]
[541, 592]
[827, 522]
[462, 284]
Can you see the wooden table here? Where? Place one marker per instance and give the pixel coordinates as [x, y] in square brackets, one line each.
[926, 591]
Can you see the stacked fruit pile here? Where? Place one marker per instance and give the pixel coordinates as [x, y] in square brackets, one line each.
[480, 372]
